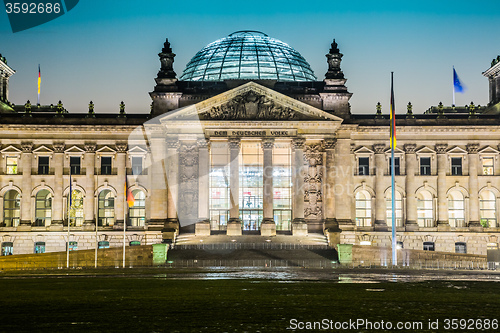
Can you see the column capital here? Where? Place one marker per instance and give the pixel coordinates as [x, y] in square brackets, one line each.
[330, 144]
[379, 148]
[203, 143]
[298, 143]
[27, 147]
[234, 143]
[121, 147]
[410, 148]
[172, 143]
[267, 143]
[90, 147]
[441, 148]
[58, 147]
[472, 148]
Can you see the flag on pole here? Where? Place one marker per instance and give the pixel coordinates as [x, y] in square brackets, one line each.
[458, 87]
[129, 195]
[393, 115]
[39, 82]
[70, 190]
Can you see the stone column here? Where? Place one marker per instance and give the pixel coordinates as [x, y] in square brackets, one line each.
[411, 199]
[380, 202]
[443, 223]
[474, 218]
[299, 227]
[331, 225]
[187, 190]
[158, 217]
[268, 227]
[203, 227]
[121, 169]
[57, 203]
[27, 160]
[89, 203]
[343, 177]
[234, 223]
[169, 208]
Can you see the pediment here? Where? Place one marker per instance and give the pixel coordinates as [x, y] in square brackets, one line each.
[425, 150]
[488, 150]
[42, 150]
[10, 150]
[397, 150]
[138, 150]
[251, 101]
[106, 150]
[457, 150]
[363, 150]
[74, 150]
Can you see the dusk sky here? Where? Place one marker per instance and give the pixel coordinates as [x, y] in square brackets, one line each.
[106, 51]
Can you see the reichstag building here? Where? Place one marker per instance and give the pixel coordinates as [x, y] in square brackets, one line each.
[248, 140]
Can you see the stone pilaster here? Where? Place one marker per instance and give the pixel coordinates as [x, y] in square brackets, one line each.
[203, 226]
[411, 200]
[187, 208]
[443, 222]
[121, 168]
[89, 202]
[268, 227]
[474, 218]
[27, 160]
[169, 210]
[343, 178]
[329, 192]
[57, 204]
[234, 223]
[380, 202]
[299, 226]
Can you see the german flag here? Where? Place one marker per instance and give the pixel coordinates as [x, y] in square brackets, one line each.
[129, 195]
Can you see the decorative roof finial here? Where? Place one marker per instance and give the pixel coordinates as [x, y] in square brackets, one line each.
[334, 48]
[167, 62]
[472, 111]
[334, 57]
[91, 113]
[122, 110]
[378, 107]
[409, 111]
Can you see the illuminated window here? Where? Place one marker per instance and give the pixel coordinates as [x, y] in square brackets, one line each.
[251, 185]
[425, 209]
[76, 208]
[456, 209]
[103, 245]
[11, 209]
[399, 209]
[135, 243]
[106, 214]
[137, 213]
[7, 248]
[363, 209]
[219, 185]
[73, 246]
[488, 166]
[282, 186]
[40, 247]
[43, 208]
[487, 208]
[11, 165]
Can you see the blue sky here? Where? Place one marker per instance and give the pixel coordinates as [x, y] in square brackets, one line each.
[106, 51]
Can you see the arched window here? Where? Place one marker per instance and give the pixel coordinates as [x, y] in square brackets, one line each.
[456, 209]
[76, 209]
[106, 216]
[11, 208]
[43, 208]
[137, 213]
[425, 209]
[363, 209]
[488, 209]
[399, 209]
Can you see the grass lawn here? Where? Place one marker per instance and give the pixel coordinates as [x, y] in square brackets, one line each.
[149, 303]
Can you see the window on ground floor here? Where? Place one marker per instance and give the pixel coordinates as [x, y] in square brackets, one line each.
[460, 247]
[428, 246]
[7, 248]
[43, 208]
[11, 209]
[488, 209]
[363, 209]
[135, 243]
[73, 246]
[103, 245]
[40, 247]
[76, 208]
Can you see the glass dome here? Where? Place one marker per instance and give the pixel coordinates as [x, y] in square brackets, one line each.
[248, 55]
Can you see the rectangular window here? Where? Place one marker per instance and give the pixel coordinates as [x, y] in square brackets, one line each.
[7, 248]
[136, 165]
[488, 166]
[40, 247]
[456, 166]
[73, 246]
[105, 165]
[12, 165]
[425, 166]
[428, 246]
[460, 247]
[396, 166]
[43, 165]
[364, 166]
[74, 165]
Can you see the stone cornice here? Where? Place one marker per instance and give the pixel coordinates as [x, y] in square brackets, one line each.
[493, 71]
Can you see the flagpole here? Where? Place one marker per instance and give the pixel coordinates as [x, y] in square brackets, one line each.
[96, 219]
[69, 218]
[39, 83]
[453, 86]
[125, 207]
[393, 191]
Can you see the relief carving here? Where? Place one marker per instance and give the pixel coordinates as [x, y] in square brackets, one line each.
[313, 202]
[188, 178]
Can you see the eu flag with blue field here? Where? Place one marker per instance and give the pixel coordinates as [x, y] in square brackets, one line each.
[457, 85]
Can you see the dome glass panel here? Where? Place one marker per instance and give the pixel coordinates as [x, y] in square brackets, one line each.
[248, 55]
